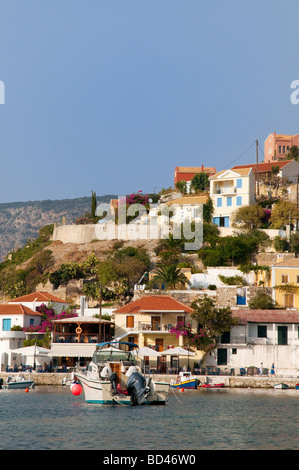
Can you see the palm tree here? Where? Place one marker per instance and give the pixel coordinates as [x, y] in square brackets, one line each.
[170, 276]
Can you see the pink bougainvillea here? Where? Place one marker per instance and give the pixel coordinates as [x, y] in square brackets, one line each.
[199, 339]
[49, 315]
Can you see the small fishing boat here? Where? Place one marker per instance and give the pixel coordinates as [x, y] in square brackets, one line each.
[297, 386]
[112, 377]
[281, 386]
[18, 382]
[220, 385]
[186, 381]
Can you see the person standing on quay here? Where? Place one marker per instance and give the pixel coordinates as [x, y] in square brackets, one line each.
[261, 369]
[272, 370]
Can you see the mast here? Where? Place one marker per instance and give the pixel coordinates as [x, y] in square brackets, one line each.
[257, 166]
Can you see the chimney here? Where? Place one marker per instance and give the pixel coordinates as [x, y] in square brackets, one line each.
[82, 305]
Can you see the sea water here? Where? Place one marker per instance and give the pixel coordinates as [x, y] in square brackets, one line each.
[51, 418]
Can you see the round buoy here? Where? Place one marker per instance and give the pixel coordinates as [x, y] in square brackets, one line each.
[27, 390]
[182, 389]
[76, 389]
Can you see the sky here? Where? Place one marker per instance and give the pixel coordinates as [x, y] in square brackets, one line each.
[111, 95]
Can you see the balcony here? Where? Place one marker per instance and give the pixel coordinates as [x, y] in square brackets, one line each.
[226, 190]
[154, 327]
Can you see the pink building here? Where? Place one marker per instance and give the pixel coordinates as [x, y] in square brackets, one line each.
[278, 145]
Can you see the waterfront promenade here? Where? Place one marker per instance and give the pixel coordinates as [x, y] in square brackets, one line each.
[57, 379]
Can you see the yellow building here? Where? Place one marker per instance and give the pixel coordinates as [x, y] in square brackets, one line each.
[148, 322]
[285, 283]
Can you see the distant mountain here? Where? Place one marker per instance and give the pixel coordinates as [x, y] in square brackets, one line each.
[21, 221]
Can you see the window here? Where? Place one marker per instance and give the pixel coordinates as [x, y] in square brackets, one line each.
[279, 149]
[6, 324]
[297, 279]
[130, 321]
[225, 337]
[234, 351]
[219, 201]
[262, 331]
[239, 183]
[289, 300]
[284, 278]
[239, 200]
[229, 201]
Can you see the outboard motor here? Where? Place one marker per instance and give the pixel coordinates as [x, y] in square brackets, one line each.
[1, 383]
[113, 380]
[137, 388]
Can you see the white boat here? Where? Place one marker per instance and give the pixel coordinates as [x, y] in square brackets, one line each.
[281, 386]
[112, 377]
[18, 382]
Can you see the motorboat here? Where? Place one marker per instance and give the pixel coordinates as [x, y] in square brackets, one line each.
[18, 381]
[220, 385]
[281, 386]
[112, 377]
[185, 381]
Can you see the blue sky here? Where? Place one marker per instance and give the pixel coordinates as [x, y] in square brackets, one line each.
[111, 95]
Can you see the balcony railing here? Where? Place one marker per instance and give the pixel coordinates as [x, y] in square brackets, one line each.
[82, 338]
[154, 327]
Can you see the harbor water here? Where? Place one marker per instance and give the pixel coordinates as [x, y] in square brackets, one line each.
[51, 418]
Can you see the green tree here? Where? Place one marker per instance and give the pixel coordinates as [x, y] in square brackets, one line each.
[248, 216]
[200, 182]
[283, 213]
[170, 276]
[211, 322]
[93, 208]
[262, 300]
[181, 186]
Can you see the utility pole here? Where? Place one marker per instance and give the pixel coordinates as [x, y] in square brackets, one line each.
[257, 166]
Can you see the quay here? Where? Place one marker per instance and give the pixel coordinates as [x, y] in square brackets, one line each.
[58, 379]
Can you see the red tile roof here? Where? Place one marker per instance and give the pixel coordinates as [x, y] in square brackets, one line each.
[38, 297]
[266, 316]
[17, 309]
[263, 167]
[154, 303]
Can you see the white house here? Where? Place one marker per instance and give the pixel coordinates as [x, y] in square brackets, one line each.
[229, 190]
[36, 299]
[261, 336]
[14, 315]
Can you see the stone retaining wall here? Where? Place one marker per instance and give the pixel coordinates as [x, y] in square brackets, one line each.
[55, 379]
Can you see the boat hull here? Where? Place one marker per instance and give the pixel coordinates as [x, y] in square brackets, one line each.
[101, 392]
[20, 385]
[281, 386]
[186, 384]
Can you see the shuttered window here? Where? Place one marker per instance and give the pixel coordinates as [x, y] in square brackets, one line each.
[130, 321]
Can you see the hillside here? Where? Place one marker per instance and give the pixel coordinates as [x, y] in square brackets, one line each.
[20, 221]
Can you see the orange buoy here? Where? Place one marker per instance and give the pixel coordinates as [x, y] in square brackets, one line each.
[27, 390]
[182, 389]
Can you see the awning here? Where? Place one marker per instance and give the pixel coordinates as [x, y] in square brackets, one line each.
[72, 350]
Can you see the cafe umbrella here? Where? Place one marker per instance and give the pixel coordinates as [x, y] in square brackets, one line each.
[146, 352]
[178, 351]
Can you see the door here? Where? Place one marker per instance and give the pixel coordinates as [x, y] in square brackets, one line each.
[161, 363]
[282, 332]
[221, 357]
[156, 325]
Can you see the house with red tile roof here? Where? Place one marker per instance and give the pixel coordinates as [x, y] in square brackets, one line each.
[14, 315]
[187, 173]
[148, 321]
[35, 299]
[261, 336]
